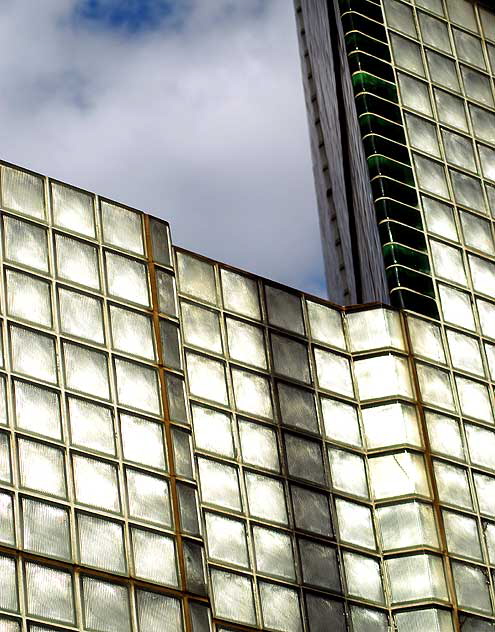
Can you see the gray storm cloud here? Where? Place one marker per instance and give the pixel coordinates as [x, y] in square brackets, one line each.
[200, 120]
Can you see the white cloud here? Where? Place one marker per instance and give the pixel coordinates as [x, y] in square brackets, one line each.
[203, 125]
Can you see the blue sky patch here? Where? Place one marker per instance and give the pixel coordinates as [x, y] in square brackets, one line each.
[129, 16]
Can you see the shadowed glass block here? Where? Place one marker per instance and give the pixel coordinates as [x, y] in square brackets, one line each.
[8, 584]
[25, 243]
[37, 409]
[148, 497]
[86, 370]
[483, 123]
[321, 611]
[160, 241]
[226, 540]
[122, 228]
[311, 511]
[467, 191]
[96, 483]
[77, 261]
[28, 298]
[319, 565]
[407, 54]
[127, 279]
[46, 529]
[280, 608]
[101, 543]
[442, 71]
[132, 332]
[73, 209]
[219, 484]
[233, 597]
[170, 344]
[304, 459]
[459, 150]
[138, 386]
[431, 176]
[416, 577]
[182, 453]
[363, 577]
[7, 530]
[165, 285]
[422, 136]
[42, 467]
[23, 192]
[290, 358]
[240, 294]
[154, 557]
[49, 593]
[266, 498]
[33, 354]
[434, 32]
[106, 606]
[400, 16]
[196, 277]
[91, 426]
[284, 309]
[81, 315]
[297, 407]
[9, 625]
[5, 471]
[414, 94]
[477, 86]
[158, 613]
[252, 393]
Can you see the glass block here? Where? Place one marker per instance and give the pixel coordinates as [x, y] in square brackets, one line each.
[407, 525]
[171, 344]
[81, 315]
[226, 539]
[196, 277]
[487, 158]
[176, 398]
[472, 587]
[399, 474]
[201, 327]
[101, 543]
[374, 328]
[304, 459]
[422, 135]
[486, 313]
[25, 244]
[311, 511]
[483, 123]
[148, 497]
[37, 409]
[462, 535]
[5, 468]
[91, 426]
[355, 524]
[319, 565]
[490, 355]
[182, 453]
[9, 625]
[457, 307]
[477, 86]
[207, 378]
[442, 71]
[138, 386]
[46, 529]
[400, 17]
[127, 279]
[8, 584]
[73, 209]
[425, 619]
[49, 593]
[477, 233]
[28, 298]
[435, 32]
[326, 325]
[407, 54]
[77, 261]
[159, 613]
[363, 577]
[416, 577]
[467, 191]
[297, 407]
[448, 262]
[474, 399]
[96, 483]
[33, 354]
[435, 386]
[86, 370]
[445, 435]
[273, 551]
[240, 294]
[334, 372]
[414, 94]
[212, 430]
[195, 568]
[383, 376]
[219, 484]
[439, 218]
[233, 597]
[426, 339]
[266, 498]
[280, 608]
[106, 606]
[340, 421]
[489, 531]
[160, 241]
[469, 48]
[465, 352]
[42, 468]
[453, 485]
[321, 610]
[284, 309]
[347, 472]
[3, 402]
[154, 557]
[481, 444]
[132, 332]
[246, 343]
[23, 192]
[488, 22]
[451, 110]
[458, 150]
[165, 287]
[7, 530]
[366, 620]
[142, 441]
[252, 393]
[485, 491]
[258, 445]
[122, 228]
[462, 12]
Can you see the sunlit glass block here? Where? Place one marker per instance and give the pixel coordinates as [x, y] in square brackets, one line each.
[407, 525]
[122, 228]
[8, 584]
[37, 409]
[430, 619]
[25, 244]
[28, 298]
[86, 370]
[348, 472]
[219, 484]
[201, 327]
[375, 328]
[3, 402]
[148, 497]
[430, 176]
[435, 386]
[453, 485]
[483, 274]
[132, 332]
[472, 587]
[158, 613]
[391, 424]
[355, 523]
[46, 529]
[240, 294]
[443, 70]
[73, 209]
[7, 529]
[319, 565]
[42, 467]
[334, 373]
[266, 498]
[33, 354]
[127, 279]
[5, 471]
[369, 620]
[280, 608]
[212, 430]
[273, 551]
[445, 435]
[258, 445]
[233, 597]
[142, 441]
[81, 315]
[106, 606]
[399, 474]
[154, 557]
[49, 593]
[340, 421]
[363, 577]
[246, 343]
[226, 540]
[91, 426]
[9, 625]
[77, 261]
[96, 483]
[252, 393]
[448, 262]
[465, 353]
[23, 192]
[101, 543]
[416, 577]
[138, 386]
[426, 339]
[474, 399]
[326, 325]
[207, 378]
[414, 94]
[485, 492]
[481, 444]
[456, 307]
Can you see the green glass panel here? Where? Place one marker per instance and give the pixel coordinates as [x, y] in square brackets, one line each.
[353, 21]
[367, 102]
[356, 41]
[399, 276]
[383, 166]
[385, 187]
[392, 209]
[366, 82]
[398, 254]
[372, 123]
[413, 301]
[370, 9]
[359, 62]
[402, 234]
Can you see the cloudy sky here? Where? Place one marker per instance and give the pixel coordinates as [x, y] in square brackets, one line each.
[188, 109]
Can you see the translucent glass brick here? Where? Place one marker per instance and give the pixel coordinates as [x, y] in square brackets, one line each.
[457, 307]
[435, 386]
[77, 261]
[319, 565]
[416, 577]
[363, 577]
[212, 430]
[240, 294]
[138, 386]
[297, 407]
[37, 409]
[406, 525]
[226, 539]
[483, 123]
[284, 309]
[474, 399]
[28, 298]
[73, 209]
[311, 511]
[407, 54]
[170, 344]
[101, 543]
[23, 192]
[91, 426]
[414, 94]
[453, 486]
[355, 524]
[321, 610]
[196, 278]
[435, 32]
[304, 459]
[383, 376]
[25, 244]
[448, 262]
[182, 453]
[148, 497]
[219, 484]
[33, 354]
[465, 352]
[142, 441]
[207, 378]
[485, 492]
[165, 284]
[340, 421]
[96, 483]
[8, 584]
[280, 608]
[122, 228]
[201, 327]
[273, 552]
[472, 587]
[425, 619]
[154, 557]
[127, 279]
[468, 191]
[477, 233]
[451, 110]
[258, 445]
[132, 332]
[374, 328]
[81, 315]
[290, 358]
[477, 86]
[399, 474]
[5, 467]
[400, 17]
[445, 435]
[442, 70]
[49, 593]
[483, 274]
[462, 12]
[422, 135]
[7, 530]
[159, 613]
[246, 343]
[46, 529]
[86, 370]
[462, 535]
[334, 372]
[233, 597]
[106, 606]
[348, 472]
[367, 620]
[252, 393]
[42, 467]
[458, 150]
[266, 498]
